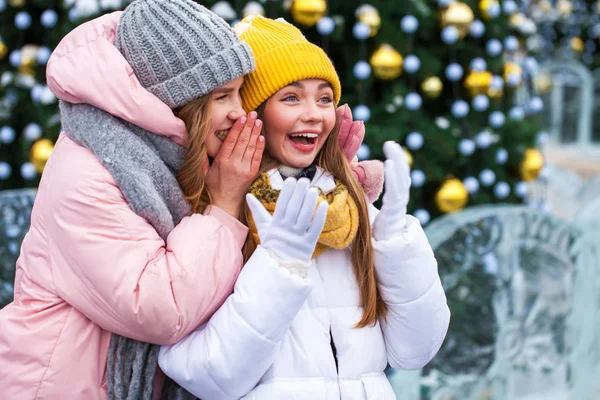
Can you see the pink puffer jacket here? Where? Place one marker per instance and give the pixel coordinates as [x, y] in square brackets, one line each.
[89, 265]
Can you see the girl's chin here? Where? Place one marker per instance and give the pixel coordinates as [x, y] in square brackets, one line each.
[299, 165]
[299, 161]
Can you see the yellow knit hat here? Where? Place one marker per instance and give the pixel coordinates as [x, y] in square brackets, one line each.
[283, 55]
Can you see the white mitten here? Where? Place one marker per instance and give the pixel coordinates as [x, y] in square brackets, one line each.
[292, 232]
[392, 217]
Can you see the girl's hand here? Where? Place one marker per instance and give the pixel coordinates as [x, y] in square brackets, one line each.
[294, 229]
[236, 165]
[351, 133]
[350, 137]
[392, 217]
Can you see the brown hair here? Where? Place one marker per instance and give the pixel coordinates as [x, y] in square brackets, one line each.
[332, 159]
[197, 117]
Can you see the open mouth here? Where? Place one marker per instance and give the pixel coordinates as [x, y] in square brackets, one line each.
[304, 141]
[222, 134]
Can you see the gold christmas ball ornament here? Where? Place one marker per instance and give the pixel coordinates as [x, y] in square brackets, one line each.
[367, 14]
[458, 15]
[432, 87]
[545, 6]
[386, 62]
[542, 83]
[30, 51]
[409, 157]
[577, 44]
[532, 164]
[564, 7]
[511, 68]
[478, 82]
[27, 66]
[484, 6]
[495, 93]
[28, 59]
[308, 12]
[516, 20]
[40, 153]
[452, 196]
[3, 50]
[16, 3]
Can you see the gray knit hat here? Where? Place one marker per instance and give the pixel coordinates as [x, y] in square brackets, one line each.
[179, 50]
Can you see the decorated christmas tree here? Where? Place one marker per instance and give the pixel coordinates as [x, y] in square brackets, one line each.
[29, 118]
[448, 80]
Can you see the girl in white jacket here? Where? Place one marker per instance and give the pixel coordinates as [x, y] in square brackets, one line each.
[320, 308]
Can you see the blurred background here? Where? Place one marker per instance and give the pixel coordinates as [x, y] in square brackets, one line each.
[497, 105]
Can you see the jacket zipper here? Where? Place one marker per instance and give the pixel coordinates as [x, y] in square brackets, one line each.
[334, 350]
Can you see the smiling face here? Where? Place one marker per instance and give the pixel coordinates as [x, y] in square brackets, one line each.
[225, 110]
[298, 120]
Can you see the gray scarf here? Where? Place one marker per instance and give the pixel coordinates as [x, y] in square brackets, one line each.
[144, 165]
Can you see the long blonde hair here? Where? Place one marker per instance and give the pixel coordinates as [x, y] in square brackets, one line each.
[332, 159]
[197, 118]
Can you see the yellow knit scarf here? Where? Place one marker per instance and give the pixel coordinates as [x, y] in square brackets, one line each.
[341, 224]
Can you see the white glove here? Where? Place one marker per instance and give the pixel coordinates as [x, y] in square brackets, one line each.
[292, 232]
[392, 217]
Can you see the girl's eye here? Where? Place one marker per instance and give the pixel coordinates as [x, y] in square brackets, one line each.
[291, 97]
[221, 97]
[326, 99]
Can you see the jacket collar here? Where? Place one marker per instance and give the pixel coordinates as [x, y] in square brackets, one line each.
[322, 179]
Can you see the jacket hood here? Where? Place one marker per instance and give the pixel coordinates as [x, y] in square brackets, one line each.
[86, 67]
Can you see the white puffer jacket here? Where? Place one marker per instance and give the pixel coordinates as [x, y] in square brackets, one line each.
[275, 336]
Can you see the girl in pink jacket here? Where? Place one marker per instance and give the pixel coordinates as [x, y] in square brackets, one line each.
[118, 257]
